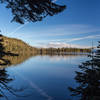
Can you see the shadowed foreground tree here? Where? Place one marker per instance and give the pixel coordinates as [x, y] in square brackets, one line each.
[32, 10]
[88, 79]
[2, 53]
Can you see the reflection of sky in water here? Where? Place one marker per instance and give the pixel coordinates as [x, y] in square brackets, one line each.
[68, 58]
[46, 77]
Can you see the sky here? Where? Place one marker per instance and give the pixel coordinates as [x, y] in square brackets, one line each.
[77, 26]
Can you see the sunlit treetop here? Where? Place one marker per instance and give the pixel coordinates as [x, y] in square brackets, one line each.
[32, 10]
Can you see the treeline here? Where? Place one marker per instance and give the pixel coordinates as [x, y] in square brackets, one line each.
[63, 50]
[17, 46]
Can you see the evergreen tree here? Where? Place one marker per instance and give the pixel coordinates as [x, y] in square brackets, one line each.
[98, 51]
[1, 45]
[32, 10]
[88, 80]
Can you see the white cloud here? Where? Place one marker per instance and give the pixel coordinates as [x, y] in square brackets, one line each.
[18, 28]
[82, 38]
[61, 45]
[57, 33]
[92, 37]
[67, 29]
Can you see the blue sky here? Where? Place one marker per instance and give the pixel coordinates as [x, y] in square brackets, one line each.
[79, 25]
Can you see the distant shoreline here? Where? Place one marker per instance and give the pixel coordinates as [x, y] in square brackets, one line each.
[17, 46]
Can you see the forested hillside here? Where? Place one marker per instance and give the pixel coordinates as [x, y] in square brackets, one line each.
[16, 46]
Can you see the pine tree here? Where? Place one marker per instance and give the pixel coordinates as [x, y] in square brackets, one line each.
[98, 51]
[88, 79]
[97, 56]
[1, 45]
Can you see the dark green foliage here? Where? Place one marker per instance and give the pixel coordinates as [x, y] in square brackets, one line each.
[1, 46]
[32, 10]
[88, 79]
[4, 80]
[98, 51]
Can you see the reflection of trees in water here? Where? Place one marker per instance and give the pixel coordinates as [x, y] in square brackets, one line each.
[8, 58]
[4, 61]
[89, 80]
[3, 53]
[5, 79]
[15, 60]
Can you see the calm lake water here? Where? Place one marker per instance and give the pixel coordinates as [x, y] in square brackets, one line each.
[42, 78]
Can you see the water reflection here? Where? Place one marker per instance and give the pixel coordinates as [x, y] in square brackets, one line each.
[39, 75]
[57, 58]
[5, 79]
[88, 79]
[4, 61]
[7, 59]
[55, 71]
[15, 60]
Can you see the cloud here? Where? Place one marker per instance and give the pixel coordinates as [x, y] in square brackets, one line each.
[66, 33]
[60, 45]
[67, 29]
[70, 40]
[18, 28]
[83, 38]
[57, 43]
[54, 31]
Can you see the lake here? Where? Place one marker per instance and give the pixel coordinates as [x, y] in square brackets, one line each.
[40, 78]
